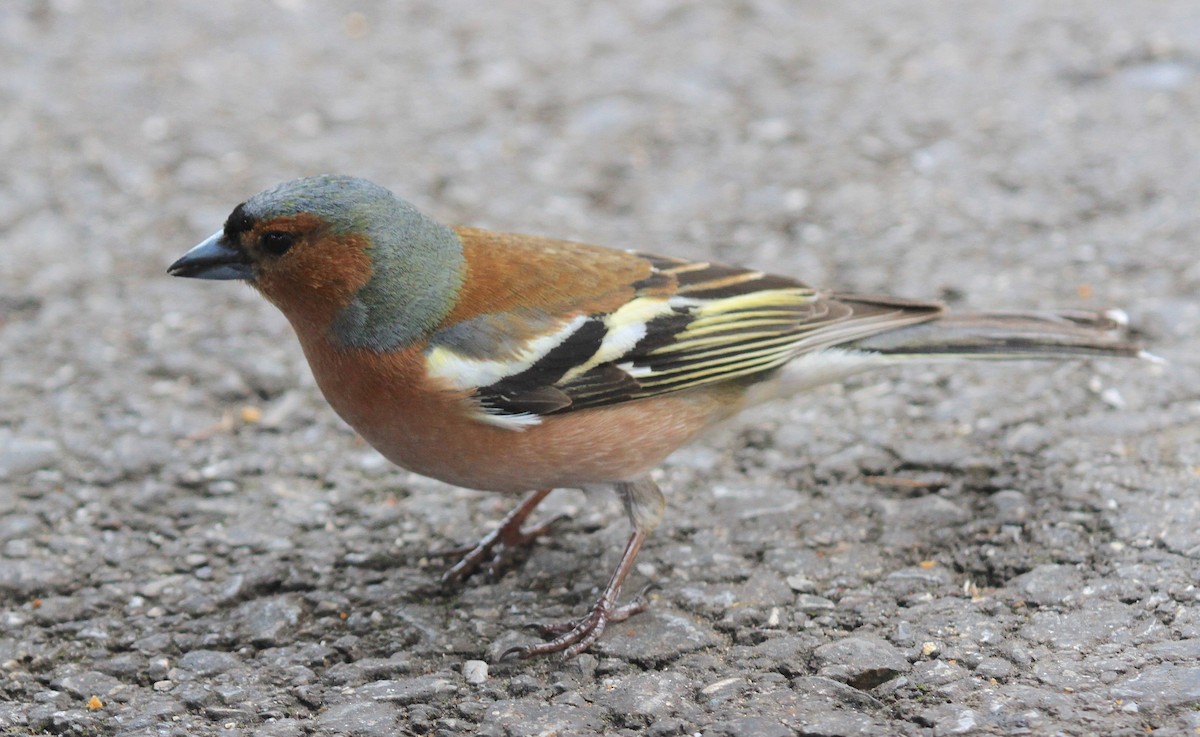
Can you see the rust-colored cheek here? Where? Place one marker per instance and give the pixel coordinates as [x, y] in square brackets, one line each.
[318, 277]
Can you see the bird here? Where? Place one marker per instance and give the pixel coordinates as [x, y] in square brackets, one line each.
[523, 364]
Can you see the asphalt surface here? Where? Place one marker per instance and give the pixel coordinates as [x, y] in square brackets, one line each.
[191, 543]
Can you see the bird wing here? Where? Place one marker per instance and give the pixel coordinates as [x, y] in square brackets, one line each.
[662, 326]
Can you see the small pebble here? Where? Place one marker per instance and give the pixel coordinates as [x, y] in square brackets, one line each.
[475, 671]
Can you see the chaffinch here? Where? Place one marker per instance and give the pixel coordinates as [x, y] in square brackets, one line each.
[518, 363]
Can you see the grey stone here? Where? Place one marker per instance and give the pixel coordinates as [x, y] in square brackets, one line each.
[851, 462]
[947, 719]
[134, 454]
[813, 712]
[936, 673]
[125, 666]
[524, 685]
[643, 698]
[475, 672]
[19, 456]
[196, 696]
[26, 577]
[208, 662]
[87, 684]
[422, 718]
[814, 605]
[512, 716]
[997, 668]
[822, 689]
[786, 654]
[749, 727]
[659, 635]
[862, 662]
[151, 712]
[801, 585]
[1161, 686]
[916, 580]
[669, 727]
[15, 526]
[265, 622]
[285, 727]
[367, 669]
[46, 718]
[1049, 585]
[415, 690]
[360, 718]
[60, 609]
[1028, 438]
[1098, 622]
[1177, 650]
[723, 690]
[928, 512]
[285, 412]
[1010, 506]
[945, 453]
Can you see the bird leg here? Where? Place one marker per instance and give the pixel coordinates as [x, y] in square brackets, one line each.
[644, 504]
[575, 637]
[498, 547]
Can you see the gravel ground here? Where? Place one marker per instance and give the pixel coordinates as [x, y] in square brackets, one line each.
[191, 543]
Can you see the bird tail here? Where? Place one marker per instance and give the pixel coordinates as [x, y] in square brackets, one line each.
[1002, 335]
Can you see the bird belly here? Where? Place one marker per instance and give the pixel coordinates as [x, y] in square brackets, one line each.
[574, 449]
[437, 433]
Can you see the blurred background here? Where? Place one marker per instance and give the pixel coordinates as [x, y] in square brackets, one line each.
[832, 137]
[171, 483]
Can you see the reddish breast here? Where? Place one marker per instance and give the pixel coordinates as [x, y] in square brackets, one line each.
[425, 429]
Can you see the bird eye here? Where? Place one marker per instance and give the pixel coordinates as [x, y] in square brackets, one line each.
[277, 242]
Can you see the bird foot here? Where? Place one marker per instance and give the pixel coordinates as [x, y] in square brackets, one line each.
[574, 637]
[496, 550]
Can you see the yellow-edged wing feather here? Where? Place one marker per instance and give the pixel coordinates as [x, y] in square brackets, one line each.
[682, 325]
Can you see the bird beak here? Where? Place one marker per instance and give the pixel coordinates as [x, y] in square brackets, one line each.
[214, 258]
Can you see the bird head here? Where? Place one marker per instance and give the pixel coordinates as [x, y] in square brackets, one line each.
[338, 254]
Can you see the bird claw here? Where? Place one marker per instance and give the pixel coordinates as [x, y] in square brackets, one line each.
[495, 551]
[573, 637]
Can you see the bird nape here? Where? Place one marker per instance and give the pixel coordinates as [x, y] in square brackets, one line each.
[518, 363]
